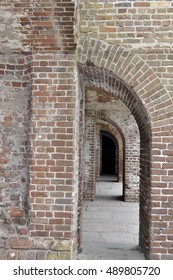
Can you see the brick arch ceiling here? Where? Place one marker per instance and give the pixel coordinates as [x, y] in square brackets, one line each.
[111, 126]
[124, 74]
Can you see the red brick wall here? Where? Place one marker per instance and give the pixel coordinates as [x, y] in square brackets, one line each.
[130, 57]
[39, 125]
[127, 22]
[38, 26]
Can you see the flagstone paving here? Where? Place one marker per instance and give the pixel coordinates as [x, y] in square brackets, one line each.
[110, 227]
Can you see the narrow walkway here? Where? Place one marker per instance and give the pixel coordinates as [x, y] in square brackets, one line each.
[110, 226]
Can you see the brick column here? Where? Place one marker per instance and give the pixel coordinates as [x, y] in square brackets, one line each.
[53, 173]
[89, 157]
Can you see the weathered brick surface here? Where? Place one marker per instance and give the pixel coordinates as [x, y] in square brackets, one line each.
[44, 25]
[124, 50]
[38, 129]
[52, 143]
[14, 119]
[127, 22]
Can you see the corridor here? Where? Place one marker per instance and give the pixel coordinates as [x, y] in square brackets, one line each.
[110, 226]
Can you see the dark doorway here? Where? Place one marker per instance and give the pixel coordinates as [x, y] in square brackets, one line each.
[108, 155]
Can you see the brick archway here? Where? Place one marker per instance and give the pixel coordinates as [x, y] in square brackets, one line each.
[110, 127]
[131, 164]
[125, 75]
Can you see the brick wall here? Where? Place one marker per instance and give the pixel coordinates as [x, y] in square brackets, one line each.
[144, 26]
[124, 49]
[14, 177]
[135, 23]
[38, 26]
[39, 130]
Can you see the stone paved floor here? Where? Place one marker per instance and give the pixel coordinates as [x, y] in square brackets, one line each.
[110, 226]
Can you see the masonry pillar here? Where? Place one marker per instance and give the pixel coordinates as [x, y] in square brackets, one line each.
[53, 171]
[89, 157]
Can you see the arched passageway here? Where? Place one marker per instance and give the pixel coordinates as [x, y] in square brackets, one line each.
[124, 75]
[107, 113]
[110, 127]
[91, 115]
[108, 155]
